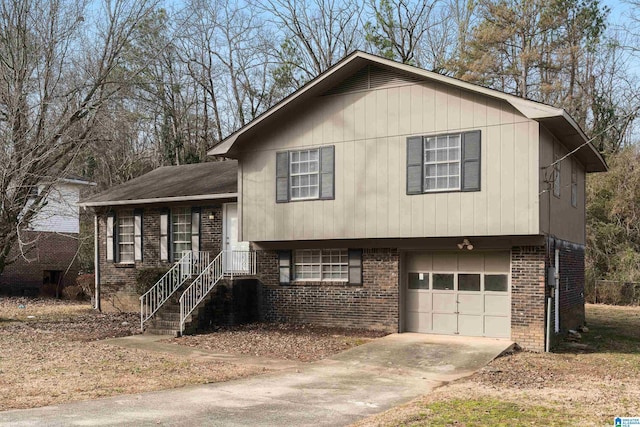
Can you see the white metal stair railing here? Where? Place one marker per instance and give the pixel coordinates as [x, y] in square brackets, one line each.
[226, 264]
[191, 263]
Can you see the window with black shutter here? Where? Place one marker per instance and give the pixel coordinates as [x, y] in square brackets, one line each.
[446, 162]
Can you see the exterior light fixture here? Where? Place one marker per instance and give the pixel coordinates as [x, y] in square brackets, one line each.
[465, 244]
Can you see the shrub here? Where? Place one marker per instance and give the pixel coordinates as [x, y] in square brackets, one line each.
[86, 282]
[147, 277]
[74, 293]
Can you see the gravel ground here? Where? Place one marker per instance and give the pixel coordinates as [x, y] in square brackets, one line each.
[281, 341]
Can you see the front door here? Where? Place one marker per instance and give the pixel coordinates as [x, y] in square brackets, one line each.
[236, 252]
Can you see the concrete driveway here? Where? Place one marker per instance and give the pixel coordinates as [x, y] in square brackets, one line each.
[338, 391]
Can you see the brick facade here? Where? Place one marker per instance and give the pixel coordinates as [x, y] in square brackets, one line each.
[374, 305]
[118, 280]
[528, 296]
[50, 252]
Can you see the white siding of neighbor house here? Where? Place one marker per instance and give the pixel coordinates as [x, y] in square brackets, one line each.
[61, 213]
[369, 131]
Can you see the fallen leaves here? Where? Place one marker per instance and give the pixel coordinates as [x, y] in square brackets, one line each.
[55, 357]
[305, 343]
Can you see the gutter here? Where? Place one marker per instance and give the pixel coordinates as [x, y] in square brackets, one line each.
[160, 200]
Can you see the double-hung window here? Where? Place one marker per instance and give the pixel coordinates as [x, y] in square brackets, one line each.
[442, 163]
[306, 174]
[326, 265]
[447, 162]
[124, 236]
[126, 233]
[181, 230]
[321, 265]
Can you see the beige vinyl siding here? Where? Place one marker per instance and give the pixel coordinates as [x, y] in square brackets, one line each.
[557, 216]
[369, 131]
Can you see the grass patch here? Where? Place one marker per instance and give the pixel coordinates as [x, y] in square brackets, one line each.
[485, 412]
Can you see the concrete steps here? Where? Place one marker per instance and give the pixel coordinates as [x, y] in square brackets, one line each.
[166, 321]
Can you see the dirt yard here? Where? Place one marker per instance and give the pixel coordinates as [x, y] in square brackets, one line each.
[281, 341]
[50, 353]
[586, 384]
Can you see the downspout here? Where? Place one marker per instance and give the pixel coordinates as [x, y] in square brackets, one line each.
[96, 261]
[557, 289]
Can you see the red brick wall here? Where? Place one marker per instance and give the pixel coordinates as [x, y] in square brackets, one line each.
[374, 305]
[122, 278]
[528, 287]
[50, 251]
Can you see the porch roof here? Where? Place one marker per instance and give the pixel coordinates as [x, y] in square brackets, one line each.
[200, 181]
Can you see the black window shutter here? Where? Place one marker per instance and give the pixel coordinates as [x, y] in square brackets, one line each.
[170, 226]
[355, 266]
[116, 239]
[327, 171]
[284, 265]
[471, 161]
[282, 177]
[415, 164]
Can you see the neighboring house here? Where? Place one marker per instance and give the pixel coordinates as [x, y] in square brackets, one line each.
[50, 243]
[380, 195]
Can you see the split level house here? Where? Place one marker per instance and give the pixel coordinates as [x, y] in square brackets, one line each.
[379, 195]
[47, 251]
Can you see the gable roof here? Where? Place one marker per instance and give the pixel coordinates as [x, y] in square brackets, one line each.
[199, 181]
[345, 72]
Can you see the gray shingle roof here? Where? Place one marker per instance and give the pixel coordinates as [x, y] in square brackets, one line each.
[186, 181]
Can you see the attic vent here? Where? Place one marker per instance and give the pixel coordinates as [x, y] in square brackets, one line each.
[372, 77]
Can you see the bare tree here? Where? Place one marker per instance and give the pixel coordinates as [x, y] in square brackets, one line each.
[51, 93]
[404, 30]
[317, 33]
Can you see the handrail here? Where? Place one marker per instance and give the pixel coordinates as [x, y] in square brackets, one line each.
[227, 263]
[191, 263]
[199, 288]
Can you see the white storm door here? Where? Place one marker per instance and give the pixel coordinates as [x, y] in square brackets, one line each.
[236, 257]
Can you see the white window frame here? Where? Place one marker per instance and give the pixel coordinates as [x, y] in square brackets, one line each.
[180, 217]
[437, 164]
[126, 237]
[309, 173]
[456, 274]
[326, 262]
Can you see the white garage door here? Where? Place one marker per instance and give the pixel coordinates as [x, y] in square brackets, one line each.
[465, 293]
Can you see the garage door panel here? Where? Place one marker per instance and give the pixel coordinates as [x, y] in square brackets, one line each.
[470, 325]
[497, 326]
[470, 303]
[466, 293]
[444, 302]
[498, 304]
[418, 322]
[445, 323]
[419, 301]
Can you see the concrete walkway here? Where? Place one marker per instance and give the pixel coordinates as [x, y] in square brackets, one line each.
[338, 391]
